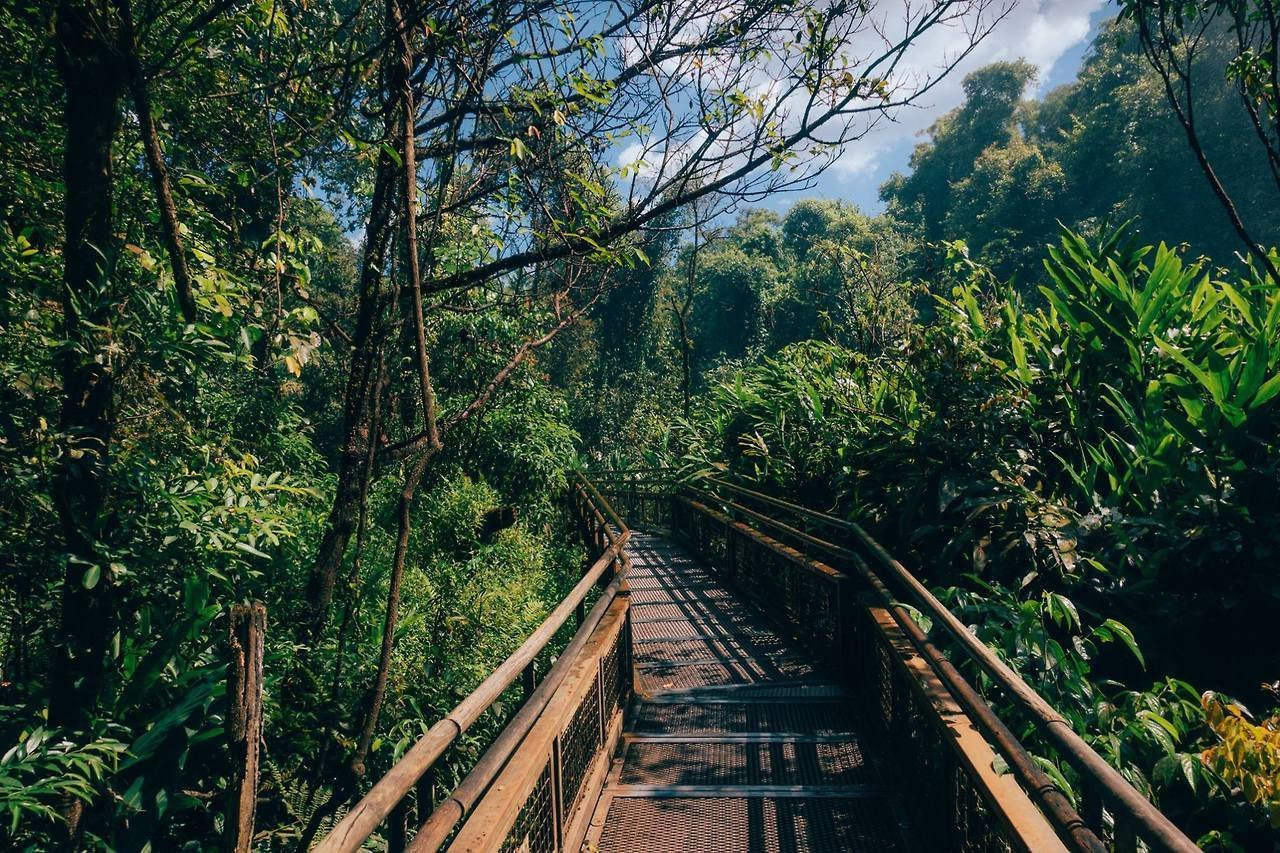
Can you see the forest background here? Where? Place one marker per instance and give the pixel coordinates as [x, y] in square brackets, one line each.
[242, 361]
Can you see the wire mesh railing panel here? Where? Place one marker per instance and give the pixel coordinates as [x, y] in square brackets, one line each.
[579, 730]
[648, 509]
[535, 827]
[613, 675]
[950, 807]
[579, 744]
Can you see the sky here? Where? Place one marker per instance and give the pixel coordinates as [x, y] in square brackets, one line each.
[1053, 35]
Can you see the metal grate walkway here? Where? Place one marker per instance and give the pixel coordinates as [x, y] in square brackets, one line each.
[736, 742]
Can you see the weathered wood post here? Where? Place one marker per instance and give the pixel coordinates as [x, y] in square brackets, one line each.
[246, 635]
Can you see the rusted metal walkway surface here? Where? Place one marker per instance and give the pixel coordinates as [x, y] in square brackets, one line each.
[735, 740]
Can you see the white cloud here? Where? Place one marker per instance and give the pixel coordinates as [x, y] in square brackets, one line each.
[862, 157]
[1039, 31]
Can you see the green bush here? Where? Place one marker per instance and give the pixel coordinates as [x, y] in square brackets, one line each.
[1062, 474]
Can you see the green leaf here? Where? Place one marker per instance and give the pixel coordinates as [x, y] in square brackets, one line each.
[1126, 636]
[1210, 382]
[91, 576]
[252, 551]
[1266, 392]
[1190, 768]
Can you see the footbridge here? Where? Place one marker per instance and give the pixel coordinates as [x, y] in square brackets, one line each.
[735, 672]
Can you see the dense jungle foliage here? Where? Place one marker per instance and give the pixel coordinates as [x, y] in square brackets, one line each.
[318, 304]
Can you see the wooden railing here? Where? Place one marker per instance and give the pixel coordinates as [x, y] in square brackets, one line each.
[845, 597]
[838, 592]
[598, 654]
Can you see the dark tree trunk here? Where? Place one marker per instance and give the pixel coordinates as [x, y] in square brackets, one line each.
[93, 83]
[362, 383]
[137, 81]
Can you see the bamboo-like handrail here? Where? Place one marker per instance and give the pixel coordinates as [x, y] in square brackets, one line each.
[350, 833]
[1126, 803]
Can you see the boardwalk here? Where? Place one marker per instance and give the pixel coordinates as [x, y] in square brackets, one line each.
[736, 742]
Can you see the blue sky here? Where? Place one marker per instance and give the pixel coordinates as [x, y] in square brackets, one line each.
[1054, 35]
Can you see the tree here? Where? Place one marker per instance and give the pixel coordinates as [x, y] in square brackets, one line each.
[1101, 150]
[94, 82]
[1175, 38]
[181, 192]
[990, 116]
[493, 145]
[1008, 204]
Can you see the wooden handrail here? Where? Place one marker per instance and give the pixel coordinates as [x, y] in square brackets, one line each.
[459, 804]
[495, 815]
[1120, 796]
[350, 833]
[599, 502]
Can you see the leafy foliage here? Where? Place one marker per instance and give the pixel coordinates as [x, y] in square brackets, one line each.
[1067, 474]
[1248, 755]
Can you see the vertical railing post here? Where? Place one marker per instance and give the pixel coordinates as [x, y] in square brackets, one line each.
[600, 701]
[398, 827]
[557, 791]
[529, 680]
[951, 801]
[1126, 839]
[247, 630]
[424, 794]
[1091, 809]
[628, 671]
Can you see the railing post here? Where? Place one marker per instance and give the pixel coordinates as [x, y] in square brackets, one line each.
[529, 680]
[247, 629]
[398, 828]
[951, 801]
[1091, 809]
[557, 791]
[628, 673]
[424, 794]
[600, 706]
[842, 617]
[1126, 840]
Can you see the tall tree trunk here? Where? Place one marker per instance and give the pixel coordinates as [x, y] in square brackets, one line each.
[155, 161]
[391, 617]
[93, 83]
[362, 384]
[404, 72]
